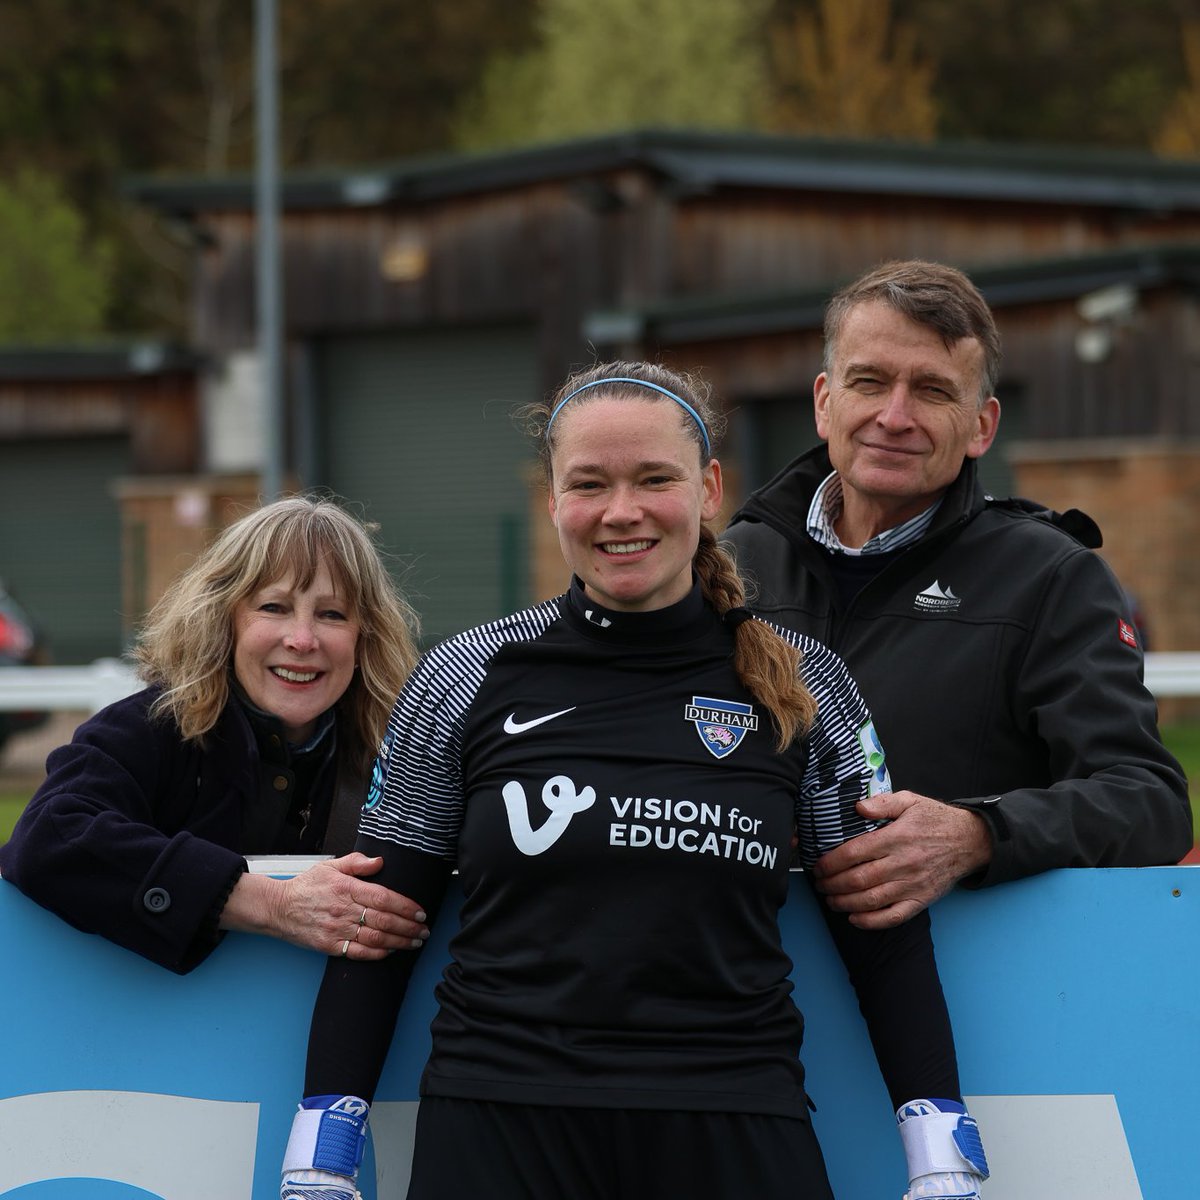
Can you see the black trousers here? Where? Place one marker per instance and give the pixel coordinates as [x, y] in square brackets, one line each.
[480, 1150]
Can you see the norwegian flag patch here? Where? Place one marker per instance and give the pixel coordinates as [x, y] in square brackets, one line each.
[1126, 633]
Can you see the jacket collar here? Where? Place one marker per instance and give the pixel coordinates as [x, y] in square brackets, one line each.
[783, 502]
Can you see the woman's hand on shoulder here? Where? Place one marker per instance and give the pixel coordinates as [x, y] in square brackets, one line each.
[332, 908]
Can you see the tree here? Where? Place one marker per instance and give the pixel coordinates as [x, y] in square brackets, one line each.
[167, 86]
[624, 63]
[1075, 72]
[847, 71]
[54, 283]
[1179, 134]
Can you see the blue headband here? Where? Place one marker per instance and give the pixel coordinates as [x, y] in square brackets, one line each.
[687, 408]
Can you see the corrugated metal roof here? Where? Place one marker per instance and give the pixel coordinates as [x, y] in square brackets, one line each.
[110, 360]
[691, 160]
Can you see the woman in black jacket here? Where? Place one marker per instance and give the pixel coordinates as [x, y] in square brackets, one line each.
[272, 664]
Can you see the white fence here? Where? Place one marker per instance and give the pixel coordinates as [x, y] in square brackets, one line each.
[58, 689]
[1173, 674]
[92, 687]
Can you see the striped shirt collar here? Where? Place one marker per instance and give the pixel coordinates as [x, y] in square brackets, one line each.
[826, 507]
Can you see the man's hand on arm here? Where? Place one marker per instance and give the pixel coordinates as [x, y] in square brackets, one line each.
[884, 877]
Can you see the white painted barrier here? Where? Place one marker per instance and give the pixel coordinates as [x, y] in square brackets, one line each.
[66, 689]
[90, 688]
[1173, 673]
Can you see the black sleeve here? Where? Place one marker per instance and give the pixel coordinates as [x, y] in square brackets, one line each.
[107, 842]
[1112, 796]
[358, 1002]
[895, 976]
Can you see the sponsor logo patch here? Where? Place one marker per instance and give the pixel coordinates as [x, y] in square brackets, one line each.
[721, 724]
[378, 774]
[872, 750]
[560, 796]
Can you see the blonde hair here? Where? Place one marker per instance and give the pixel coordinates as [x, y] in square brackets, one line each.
[187, 642]
[767, 665]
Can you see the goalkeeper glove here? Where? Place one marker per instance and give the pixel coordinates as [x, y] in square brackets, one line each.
[944, 1151]
[329, 1134]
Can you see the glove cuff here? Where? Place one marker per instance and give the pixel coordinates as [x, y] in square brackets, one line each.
[940, 1136]
[329, 1133]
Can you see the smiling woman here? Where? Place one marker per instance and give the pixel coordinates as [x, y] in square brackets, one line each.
[272, 664]
[295, 650]
[618, 774]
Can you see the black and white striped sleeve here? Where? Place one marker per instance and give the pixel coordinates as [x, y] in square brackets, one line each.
[845, 759]
[416, 796]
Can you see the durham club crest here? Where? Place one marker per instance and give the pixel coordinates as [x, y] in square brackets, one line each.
[721, 724]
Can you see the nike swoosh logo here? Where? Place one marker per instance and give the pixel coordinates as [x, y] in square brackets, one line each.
[512, 725]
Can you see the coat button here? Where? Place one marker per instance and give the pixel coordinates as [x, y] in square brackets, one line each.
[157, 900]
[281, 783]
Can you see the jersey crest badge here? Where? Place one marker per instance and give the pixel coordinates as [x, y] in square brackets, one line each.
[721, 724]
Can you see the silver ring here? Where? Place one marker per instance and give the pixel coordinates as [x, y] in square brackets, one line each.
[363, 919]
[345, 947]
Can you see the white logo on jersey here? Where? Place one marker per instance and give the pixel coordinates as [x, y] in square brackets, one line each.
[559, 796]
[512, 725]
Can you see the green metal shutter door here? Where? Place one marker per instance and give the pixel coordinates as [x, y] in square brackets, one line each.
[60, 540]
[417, 428]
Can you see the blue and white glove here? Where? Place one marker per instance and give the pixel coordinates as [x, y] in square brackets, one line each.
[944, 1151]
[329, 1134]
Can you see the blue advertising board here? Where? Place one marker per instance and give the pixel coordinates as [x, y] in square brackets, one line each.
[1075, 998]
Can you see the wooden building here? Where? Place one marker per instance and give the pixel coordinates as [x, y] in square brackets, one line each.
[425, 299]
[76, 422]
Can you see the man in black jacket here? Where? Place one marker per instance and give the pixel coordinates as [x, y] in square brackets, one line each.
[990, 642]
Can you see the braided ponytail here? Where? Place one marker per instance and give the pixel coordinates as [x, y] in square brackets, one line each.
[768, 666]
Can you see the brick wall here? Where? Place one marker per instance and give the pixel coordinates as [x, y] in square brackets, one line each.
[1146, 499]
[1145, 496]
[165, 523]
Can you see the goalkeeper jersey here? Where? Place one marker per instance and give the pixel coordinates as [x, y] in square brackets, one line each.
[621, 821]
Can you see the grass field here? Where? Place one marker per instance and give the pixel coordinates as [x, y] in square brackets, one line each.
[10, 810]
[1183, 741]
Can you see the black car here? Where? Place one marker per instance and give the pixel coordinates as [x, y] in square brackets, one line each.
[20, 646]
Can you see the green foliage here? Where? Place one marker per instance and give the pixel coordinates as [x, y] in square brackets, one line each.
[847, 70]
[167, 86]
[90, 94]
[1179, 134]
[12, 804]
[1183, 741]
[622, 64]
[55, 283]
[1075, 72]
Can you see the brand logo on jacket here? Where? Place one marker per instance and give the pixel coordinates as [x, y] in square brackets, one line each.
[721, 724]
[936, 599]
